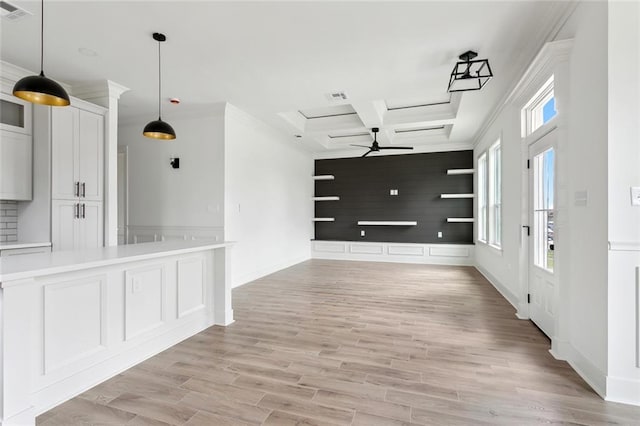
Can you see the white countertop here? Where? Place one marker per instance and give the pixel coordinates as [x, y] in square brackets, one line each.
[36, 265]
[21, 245]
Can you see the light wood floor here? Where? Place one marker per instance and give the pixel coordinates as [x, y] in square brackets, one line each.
[350, 343]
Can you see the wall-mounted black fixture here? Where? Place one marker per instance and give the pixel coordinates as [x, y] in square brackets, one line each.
[469, 74]
[175, 163]
[38, 88]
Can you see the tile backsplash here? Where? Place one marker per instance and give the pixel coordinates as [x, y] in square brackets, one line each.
[8, 221]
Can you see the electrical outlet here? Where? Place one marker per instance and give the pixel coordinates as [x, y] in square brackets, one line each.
[136, 285]
[393, 192]
[439, 234]
[362, 233]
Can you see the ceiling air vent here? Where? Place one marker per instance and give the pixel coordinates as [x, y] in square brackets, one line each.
[337, 96]
[12, 12]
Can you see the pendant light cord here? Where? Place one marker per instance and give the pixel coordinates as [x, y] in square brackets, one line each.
[159, 84]
[42, 38]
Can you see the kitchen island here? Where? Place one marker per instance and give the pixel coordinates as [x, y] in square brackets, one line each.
[70, 320]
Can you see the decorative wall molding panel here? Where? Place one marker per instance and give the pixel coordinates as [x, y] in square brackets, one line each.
[70, 322]
[149, 234]
[443, 254]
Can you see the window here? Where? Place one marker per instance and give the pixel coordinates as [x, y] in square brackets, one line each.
[540, 109]
[482, 198]
[543, 209]
[495, 195]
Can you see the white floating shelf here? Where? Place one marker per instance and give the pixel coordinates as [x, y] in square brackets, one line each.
[326, 198]
[324, 219]
[387, 223]
[460, 171]
[456, 195]
[460, 219]
[324, 177]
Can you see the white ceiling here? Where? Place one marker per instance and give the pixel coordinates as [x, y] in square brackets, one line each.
[274, 59]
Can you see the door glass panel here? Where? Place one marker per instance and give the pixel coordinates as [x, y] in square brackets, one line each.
[544, 213]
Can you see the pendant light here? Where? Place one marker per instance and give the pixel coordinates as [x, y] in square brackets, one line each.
[38, 88]
[159, 129]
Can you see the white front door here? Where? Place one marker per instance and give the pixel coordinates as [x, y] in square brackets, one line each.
[542, 277]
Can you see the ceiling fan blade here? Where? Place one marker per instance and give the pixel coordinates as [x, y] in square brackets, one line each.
[396, 147]
[367, 153]
[361, 146]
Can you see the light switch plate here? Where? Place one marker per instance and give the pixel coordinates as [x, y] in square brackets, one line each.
[635, 195]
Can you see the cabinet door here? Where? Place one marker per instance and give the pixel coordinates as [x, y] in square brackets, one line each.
[90, 155]
[91, 231]
[64, 137]
[64, 225]
[15, 166]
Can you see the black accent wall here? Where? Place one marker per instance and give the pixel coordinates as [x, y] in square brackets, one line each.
[363, 185]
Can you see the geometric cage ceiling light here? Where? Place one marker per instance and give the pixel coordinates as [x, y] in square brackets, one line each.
[469, 74]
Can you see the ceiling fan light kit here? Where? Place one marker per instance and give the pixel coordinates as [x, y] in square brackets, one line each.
[375, 147]
[159, 129]
[469, 73]
[39, 89]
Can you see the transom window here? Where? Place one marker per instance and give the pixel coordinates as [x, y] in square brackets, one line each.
[540, 109]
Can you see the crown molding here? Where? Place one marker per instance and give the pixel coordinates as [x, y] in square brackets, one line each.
[547, 34]
[10, 74]
[99, 89]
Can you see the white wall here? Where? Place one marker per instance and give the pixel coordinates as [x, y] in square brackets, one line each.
[623, 381]
[581, 231]
[191, 196]
[268, 191]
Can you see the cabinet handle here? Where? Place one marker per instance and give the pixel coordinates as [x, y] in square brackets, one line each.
[83, 210]
[77, 210]
[77, 190]
[84, 189]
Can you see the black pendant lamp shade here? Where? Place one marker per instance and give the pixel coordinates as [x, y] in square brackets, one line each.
[159, 129]
[469, 74]
[38, 88]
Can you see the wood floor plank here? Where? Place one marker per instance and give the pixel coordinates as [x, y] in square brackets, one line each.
[340, 343]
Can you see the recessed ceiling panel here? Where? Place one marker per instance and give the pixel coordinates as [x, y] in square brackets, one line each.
[325, 112]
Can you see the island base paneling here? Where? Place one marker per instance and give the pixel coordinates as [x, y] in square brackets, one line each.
[63, 333]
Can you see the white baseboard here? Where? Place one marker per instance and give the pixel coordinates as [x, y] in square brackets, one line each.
[587, 370]
[247, 277]
[502, 289]
[435, 254]
[621, 390]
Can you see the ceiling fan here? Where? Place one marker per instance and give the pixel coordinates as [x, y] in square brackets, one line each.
[375, 147]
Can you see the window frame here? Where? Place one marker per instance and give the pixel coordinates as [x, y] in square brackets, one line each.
[532, 113]
[494, 192]
[482, 198]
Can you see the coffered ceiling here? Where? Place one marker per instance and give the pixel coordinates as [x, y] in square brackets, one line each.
[281, 61]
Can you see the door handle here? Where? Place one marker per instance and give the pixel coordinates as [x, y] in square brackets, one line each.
[76, 207]
[84, 189]
[528, 229]
[83, 210]
[77, 189]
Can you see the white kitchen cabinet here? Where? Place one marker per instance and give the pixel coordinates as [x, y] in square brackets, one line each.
[15, 114]
[76, 225]
[77, 138]
[16, 153]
